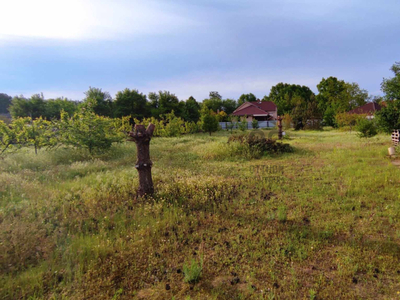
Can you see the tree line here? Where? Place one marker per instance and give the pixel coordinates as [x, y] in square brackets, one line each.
[300, 103]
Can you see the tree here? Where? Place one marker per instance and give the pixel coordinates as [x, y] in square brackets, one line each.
[191, 110]
[357, 96]
[215, 104]
[167, 102]
[130, 103]
[5, 102]
[229, 106]
[37, 133]
[282, 95]
[53, 108]
[34, 107]
[246, 98]
[89, 131]
[215, 95]
[99, 101]
[209, 120]
[388, 117]
[391, 86]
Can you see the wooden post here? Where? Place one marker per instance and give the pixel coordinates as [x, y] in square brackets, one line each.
[280, 127]
[142, 137]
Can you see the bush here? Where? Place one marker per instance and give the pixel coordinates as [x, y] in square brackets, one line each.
[260, 145]
[209, 120]
[254, 124]
[346, 120]
[242, 125]
[366, 128]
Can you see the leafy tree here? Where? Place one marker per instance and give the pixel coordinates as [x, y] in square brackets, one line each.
[53, 108]
[89, 131]
[246, 98]
[283, 94]
[167, 103]
[391, 86]
[229, 106]
[209, 120]
[215, 104]
[37, 133]
[191, 110]
[356, 96]
[11, 135]
[366, 128]
[215, 95]
[5, 102]
[306, 114]
[130, 103]
[388, 117]
[99, 101]
[34, 107]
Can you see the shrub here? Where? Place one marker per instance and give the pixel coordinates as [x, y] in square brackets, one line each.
[260, 145]
[254, 124]
[348, 120]
[242, 125]
[366, 128]
[193, 271]
[208, 120]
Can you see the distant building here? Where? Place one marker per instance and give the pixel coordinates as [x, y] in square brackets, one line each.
[259, 110]
[368, 109]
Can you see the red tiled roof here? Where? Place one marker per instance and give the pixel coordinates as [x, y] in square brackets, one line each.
[265, 105]
[255, 108]
[369, 108]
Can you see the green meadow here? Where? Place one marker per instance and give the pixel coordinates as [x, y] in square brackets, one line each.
[322, 222]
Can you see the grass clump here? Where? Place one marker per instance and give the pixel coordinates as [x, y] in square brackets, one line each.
[192, 271]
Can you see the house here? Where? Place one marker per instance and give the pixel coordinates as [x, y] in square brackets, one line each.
[368, 109]
[259, 110]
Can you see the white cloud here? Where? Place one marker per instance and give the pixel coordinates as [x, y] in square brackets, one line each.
[90, 19]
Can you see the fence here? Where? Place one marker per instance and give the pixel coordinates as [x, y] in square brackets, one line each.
[261, 124]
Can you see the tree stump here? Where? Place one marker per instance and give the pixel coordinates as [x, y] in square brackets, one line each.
[280, 134]
[142, 137]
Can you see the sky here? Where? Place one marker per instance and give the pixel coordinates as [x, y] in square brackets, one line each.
[189, 47]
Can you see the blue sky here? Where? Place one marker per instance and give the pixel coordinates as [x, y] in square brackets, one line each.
[192, 47]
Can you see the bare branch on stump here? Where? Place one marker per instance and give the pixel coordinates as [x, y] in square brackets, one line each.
[142, 137]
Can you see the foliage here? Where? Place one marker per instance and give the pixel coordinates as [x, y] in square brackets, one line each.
[209, 120]
[98, 101]
[246, 98]
[243, 124]
[5, 102]
[366, 128]
[260, 145]
[348, 120]
[191, 110]
[337, 96]
[286, 121]
[286, 96]
[391, 86]
[254, 124]
[388, 118]
[192, 271]
[89, 131]
[38, 133]
[306, 114]
[130, 103]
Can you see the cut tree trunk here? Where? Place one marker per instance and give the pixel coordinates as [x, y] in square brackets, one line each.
[142, 137]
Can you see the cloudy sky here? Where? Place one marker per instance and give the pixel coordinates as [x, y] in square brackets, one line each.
[191, 47]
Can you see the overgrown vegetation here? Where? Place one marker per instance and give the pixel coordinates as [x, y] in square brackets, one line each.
[322, 221]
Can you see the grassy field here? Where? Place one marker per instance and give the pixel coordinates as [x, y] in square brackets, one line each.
[320, 223]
